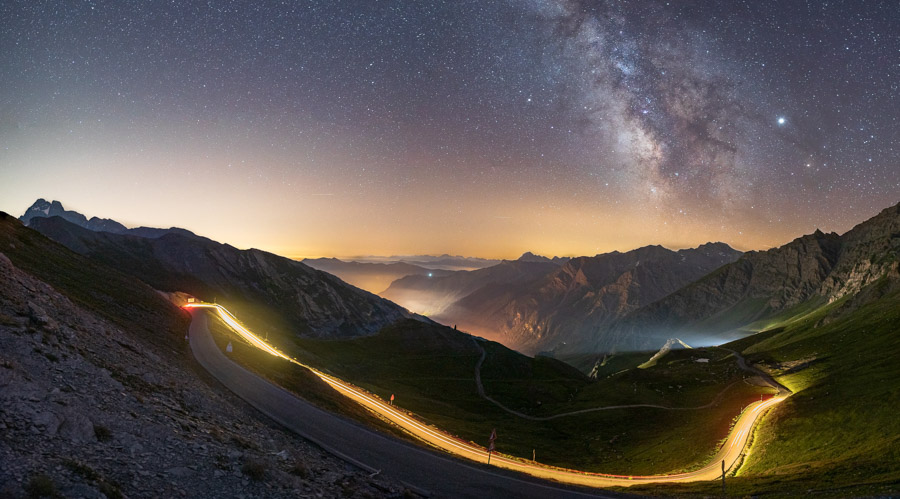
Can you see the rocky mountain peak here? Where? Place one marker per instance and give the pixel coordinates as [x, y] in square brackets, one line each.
[531, 257]
[44, 209]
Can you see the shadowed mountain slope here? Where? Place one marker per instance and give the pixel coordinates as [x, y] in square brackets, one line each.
[765, 286]
[570, 302]
[276, 293]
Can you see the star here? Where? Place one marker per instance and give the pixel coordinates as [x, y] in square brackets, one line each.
[382, 102]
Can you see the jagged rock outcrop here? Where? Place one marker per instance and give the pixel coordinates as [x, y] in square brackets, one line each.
[43, 208]
[869, 253]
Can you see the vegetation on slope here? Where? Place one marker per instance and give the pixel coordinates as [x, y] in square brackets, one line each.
[297, 379]
[431, 371]
[120, 298]
[843, 417]
[838, 434]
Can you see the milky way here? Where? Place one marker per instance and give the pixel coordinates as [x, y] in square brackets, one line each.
[487, 128]
[682, 121]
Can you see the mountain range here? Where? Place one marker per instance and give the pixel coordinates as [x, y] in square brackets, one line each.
[820, 314]
[436, 262]
[857, 267]
[377, 276]
[531, 257]
[373, 277]
[634, 300]
[434, 295]
[45, 209]
[274, 293]
[537, 305]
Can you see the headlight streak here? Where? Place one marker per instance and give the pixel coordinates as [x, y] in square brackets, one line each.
[729, 452]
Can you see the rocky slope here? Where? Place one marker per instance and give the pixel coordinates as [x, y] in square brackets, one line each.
[812, 270]
[107, 402]
[586, 293]
[276, 294]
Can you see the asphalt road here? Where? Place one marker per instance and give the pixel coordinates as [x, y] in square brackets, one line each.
[729, 454]
[425, 470]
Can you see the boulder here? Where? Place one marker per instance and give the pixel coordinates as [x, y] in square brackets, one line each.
[77, 427]
[47, 420]
[37, 313]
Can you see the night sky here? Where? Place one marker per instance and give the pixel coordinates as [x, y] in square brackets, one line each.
[485, 128]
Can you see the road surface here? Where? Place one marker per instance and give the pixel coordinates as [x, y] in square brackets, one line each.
[424, 470]
[417, 466]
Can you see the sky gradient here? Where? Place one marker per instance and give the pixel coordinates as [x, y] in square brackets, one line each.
[464, 127]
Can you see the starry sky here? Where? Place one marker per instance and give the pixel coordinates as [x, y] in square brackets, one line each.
[477, 127]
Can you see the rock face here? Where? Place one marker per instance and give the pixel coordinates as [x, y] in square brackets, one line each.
[574, 300]
[869, 254]
[98, 410]
[282, 294]
[42, 208]
[811, 270]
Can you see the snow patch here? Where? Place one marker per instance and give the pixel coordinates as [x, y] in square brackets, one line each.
[662, 352]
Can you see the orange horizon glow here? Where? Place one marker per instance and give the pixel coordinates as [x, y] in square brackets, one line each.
[341, 234]
[278, 206]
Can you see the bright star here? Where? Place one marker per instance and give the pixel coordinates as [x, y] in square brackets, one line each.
[781, 120]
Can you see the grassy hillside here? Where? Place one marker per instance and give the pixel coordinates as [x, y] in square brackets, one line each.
[121, 298]
[839, 434]
[430, 369]
[843, 418]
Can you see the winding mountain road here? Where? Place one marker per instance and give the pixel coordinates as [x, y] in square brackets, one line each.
[422, 468]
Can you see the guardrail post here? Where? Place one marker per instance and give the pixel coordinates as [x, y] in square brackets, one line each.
[723, 479]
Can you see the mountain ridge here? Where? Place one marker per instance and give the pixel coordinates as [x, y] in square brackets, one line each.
[371, 276]
[46, 209]
[816, 268]
[576, 298]
[531, 257]
[297, 298]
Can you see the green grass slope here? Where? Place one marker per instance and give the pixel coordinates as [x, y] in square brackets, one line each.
[838, 435]
[124, 300]
[431, 371]
[300, 380]
[841, 426]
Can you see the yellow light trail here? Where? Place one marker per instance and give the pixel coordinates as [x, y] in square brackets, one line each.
[729, 452]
